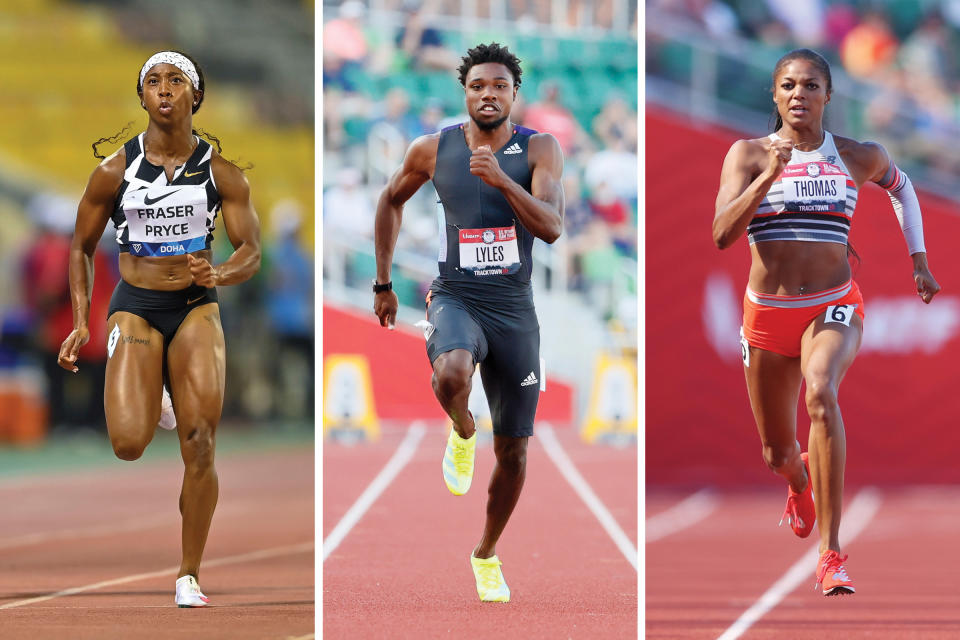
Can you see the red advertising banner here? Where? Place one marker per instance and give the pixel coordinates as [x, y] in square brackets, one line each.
[400, 371]
[899, 410]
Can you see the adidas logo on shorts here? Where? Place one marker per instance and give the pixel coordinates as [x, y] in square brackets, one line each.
[514, 148]
[529, 380]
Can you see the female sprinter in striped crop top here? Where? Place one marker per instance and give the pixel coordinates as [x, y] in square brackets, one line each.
[163, 190]
[794, 194]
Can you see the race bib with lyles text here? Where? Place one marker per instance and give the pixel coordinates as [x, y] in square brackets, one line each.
[166, 220]
[814, 187]
[492, 251]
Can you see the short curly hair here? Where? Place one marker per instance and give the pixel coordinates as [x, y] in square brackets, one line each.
[492, 52]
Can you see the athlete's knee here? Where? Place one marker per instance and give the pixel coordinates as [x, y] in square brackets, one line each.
[821, 399]
[513, 458]
[452, 376]
[197, 448]
[127, 448]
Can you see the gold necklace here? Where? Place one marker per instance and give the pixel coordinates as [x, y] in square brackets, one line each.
[823, 137]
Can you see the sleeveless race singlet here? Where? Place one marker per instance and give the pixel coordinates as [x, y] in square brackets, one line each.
[154, 217]
[481, 239]
[812, 201]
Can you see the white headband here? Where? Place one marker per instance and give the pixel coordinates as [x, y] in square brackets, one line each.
[178, 60]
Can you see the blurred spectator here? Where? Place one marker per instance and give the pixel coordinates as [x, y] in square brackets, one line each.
[594, 261]
[927, 51]
[530, 12]
[396, 114]
[804, 19]
[615, 212]
[347, 209]
[550, 116]
[289, 306]
[839, 20]
[617, 168]
[338, 108]
[421, 43]
[577, 214]
[717, 18]
[776, 35]
[75, 399]
[431, 116]
[870, 47]
[616, 123]
[344, 45]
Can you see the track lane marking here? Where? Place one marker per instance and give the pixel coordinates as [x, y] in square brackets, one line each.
[559, 457]
[397, 462]
[262, 554]
[862, 509]
[685, 513]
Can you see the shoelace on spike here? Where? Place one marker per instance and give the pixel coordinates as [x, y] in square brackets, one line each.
[490, 576]
[833, 563]
[790, 514]
[461, 456]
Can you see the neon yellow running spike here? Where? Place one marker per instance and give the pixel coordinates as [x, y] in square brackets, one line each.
[491, 587]
[458, 462]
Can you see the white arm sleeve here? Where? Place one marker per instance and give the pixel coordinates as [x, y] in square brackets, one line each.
[907, 208]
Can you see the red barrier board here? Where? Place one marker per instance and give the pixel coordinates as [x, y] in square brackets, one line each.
[400, 370]
[897, 399]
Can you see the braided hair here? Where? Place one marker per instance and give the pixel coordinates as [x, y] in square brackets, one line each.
[197, 131]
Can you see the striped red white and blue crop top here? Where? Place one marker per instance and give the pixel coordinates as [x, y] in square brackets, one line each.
[812, 201]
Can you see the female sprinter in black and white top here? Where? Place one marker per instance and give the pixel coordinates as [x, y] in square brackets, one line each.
[163, 190]
[793, 193]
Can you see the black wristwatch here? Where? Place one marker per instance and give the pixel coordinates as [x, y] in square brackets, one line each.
[380, 288]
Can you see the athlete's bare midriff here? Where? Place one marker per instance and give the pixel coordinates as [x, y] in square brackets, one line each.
[167, 273]
[789, 267]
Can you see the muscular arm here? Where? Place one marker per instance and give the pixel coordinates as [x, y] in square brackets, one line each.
[873, 162]
[417, 168]
[541, 211]
[242, 225]
[741, 190]
[93, 212]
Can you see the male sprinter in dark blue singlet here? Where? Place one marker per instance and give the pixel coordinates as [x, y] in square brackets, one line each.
[499, 186]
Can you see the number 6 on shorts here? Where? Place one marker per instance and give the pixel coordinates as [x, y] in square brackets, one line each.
[841, 313]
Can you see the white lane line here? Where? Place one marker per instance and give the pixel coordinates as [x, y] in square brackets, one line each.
[171, 571]
[396, 463]
[685, 513]
[862, 509]
[569, 471]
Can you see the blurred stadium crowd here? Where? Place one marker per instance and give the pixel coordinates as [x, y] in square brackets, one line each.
[902, 58]
[70, 72]
[389, 75]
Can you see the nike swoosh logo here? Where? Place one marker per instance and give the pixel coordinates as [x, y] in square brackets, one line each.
[190, 175]
[189, 302]
[148, 200]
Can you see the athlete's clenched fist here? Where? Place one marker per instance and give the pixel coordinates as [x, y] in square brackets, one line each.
[778, 154]
[484, 165]
[204, 273]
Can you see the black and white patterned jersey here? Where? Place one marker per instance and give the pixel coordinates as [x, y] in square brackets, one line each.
[157, 217]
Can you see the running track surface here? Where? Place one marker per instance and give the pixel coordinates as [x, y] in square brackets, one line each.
[404, 571]
[113, 525]
[702, 578]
